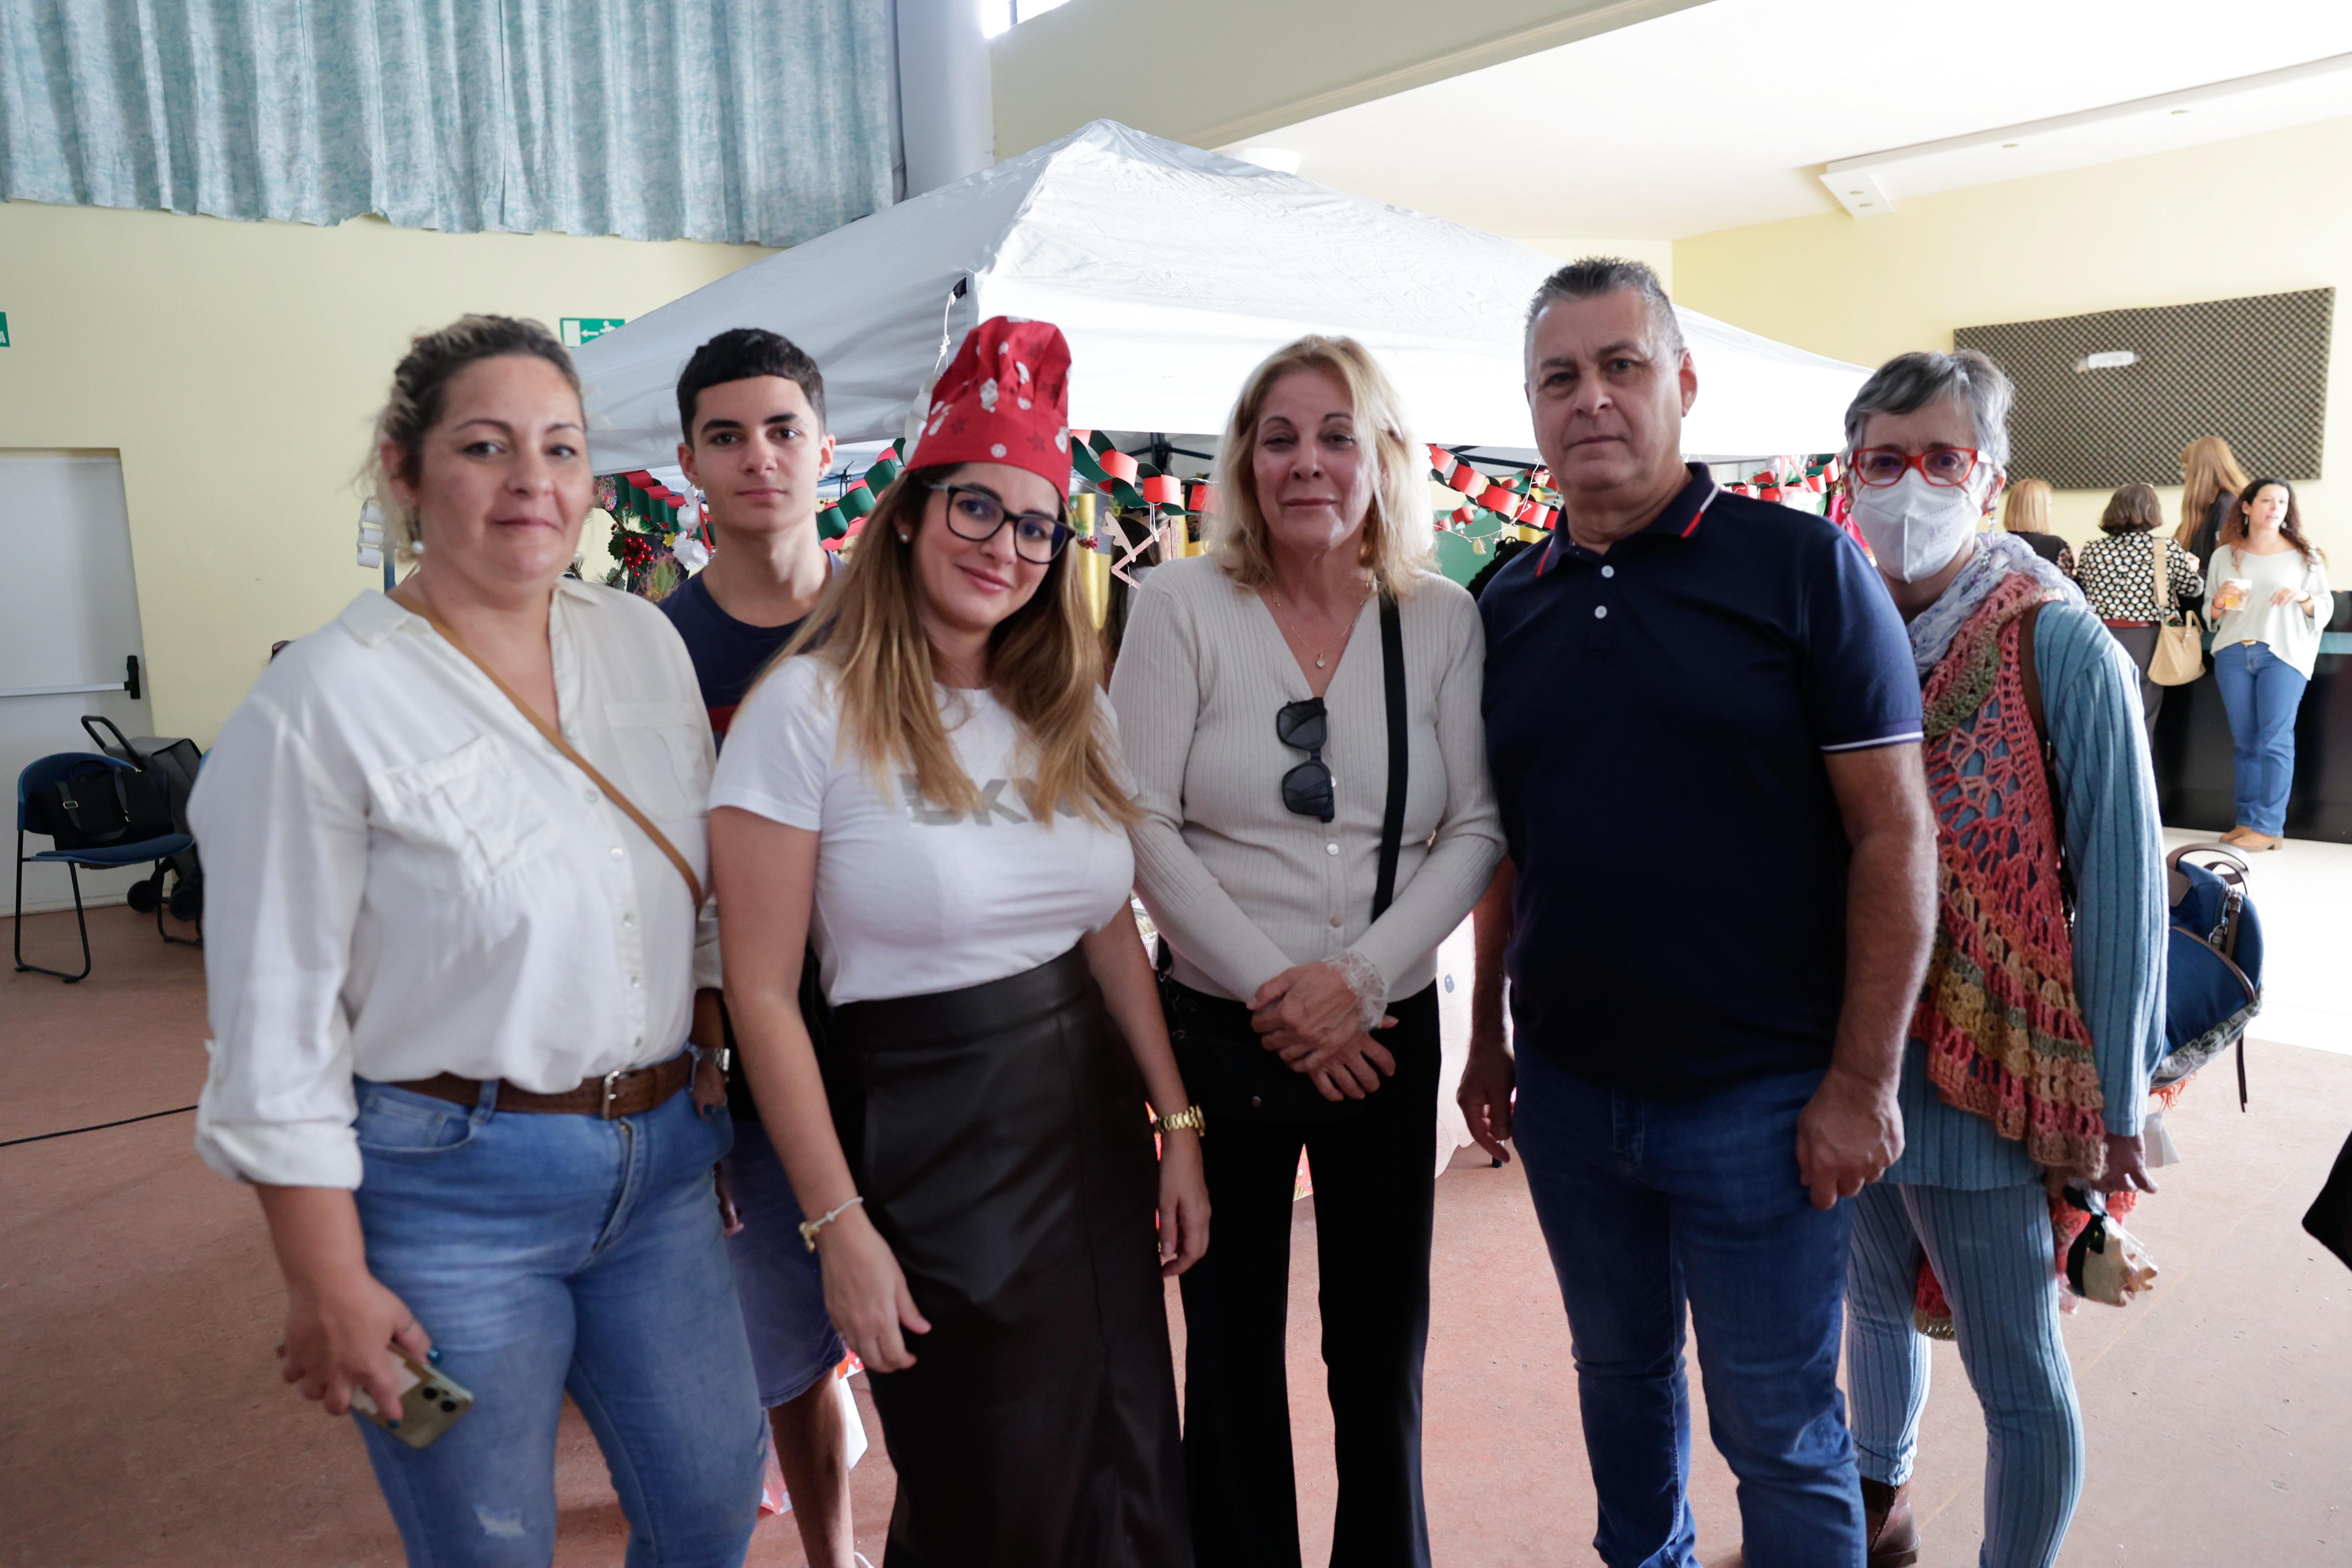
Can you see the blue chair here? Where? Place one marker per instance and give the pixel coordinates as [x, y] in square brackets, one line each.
[39, 776]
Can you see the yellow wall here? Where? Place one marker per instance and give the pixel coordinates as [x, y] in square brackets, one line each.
[2260, 215]
[236, 367]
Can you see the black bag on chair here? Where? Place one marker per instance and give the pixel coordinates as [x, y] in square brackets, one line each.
[98, 806]
[1226, 1067]
[176, 762]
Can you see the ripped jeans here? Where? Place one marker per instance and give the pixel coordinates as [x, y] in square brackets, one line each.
[554, 1254]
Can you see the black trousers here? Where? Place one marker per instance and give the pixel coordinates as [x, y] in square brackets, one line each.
[1373, 1190]
[2139, 644]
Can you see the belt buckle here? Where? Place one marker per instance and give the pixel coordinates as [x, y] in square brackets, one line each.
[613, 1093]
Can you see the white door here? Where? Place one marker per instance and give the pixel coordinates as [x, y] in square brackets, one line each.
[69, 628]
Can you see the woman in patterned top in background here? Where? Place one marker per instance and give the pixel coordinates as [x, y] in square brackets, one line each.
[2119, 577]
[2026, 513]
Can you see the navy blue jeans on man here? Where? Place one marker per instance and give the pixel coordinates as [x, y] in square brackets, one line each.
[2263, 694]
[1649, 1205]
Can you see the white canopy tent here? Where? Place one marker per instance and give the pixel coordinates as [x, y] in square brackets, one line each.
[1171, 271]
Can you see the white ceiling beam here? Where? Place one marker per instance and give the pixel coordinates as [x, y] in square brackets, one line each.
[1214, 72]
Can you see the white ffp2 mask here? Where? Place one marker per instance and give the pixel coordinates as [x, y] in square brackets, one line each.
[1914, 529]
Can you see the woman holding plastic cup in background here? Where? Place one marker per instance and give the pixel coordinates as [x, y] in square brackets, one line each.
[2269, 603]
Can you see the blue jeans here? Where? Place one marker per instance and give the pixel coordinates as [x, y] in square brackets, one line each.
[2262, 693]
[547, 1254]
[1649, 1205]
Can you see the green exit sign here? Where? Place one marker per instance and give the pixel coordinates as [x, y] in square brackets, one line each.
[579, 330]
[4, 329]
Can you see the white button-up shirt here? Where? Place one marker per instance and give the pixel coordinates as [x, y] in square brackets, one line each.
[403, 878]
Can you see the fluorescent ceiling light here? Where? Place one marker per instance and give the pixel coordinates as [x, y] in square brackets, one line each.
[1869, 185]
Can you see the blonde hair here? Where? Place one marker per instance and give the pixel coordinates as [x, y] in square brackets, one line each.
[2212, 468]
[1397, 529]
[420, 388]
[2027, 510]
[1044, 665]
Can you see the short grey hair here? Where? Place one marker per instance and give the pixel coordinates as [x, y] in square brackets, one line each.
[1908, 383]
[1598, 275]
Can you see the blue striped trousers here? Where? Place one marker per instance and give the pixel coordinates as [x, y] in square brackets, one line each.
[1991, 1250]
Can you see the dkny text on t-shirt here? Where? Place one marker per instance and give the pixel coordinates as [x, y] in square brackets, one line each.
[992, 804]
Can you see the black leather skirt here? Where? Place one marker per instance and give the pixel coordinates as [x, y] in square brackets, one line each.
[1000, 1136]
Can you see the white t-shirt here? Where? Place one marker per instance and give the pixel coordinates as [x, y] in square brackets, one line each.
[911, 899]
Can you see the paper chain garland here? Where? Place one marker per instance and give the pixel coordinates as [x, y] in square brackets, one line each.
[648, 519]
[1525, 499]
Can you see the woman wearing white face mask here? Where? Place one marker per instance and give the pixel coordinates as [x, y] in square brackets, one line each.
[2031, 1043]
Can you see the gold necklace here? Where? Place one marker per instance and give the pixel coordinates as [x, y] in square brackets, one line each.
[1273, 603]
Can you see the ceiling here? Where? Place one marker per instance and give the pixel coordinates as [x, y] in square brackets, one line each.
[1727, 113]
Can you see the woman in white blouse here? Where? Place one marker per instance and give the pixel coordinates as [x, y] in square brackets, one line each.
[451, 972]
[2268, 591]
[927, 784]
[1253, 702]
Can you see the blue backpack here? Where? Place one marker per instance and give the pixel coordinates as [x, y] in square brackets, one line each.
[2213, 962]
[2213, 958]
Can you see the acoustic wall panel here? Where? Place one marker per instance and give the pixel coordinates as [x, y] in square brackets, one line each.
[2251, 371]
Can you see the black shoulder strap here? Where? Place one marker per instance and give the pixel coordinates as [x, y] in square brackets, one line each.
[1400, 745]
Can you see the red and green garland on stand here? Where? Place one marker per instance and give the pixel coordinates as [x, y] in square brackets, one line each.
[648, 526]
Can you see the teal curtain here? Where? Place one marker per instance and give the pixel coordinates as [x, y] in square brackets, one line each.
[767, 122]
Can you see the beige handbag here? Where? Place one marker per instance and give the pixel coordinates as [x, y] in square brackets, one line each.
[2180, 655]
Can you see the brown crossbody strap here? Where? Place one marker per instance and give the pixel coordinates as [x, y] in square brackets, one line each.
[555, 739]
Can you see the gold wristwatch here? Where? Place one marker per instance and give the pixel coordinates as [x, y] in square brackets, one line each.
[1189, 1116]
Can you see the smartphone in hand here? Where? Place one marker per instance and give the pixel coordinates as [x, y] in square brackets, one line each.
[431, 1402]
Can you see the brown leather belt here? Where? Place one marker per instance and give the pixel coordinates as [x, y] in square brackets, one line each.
[615, 1095]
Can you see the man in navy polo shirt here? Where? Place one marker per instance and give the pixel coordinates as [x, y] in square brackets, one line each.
[1703, 726]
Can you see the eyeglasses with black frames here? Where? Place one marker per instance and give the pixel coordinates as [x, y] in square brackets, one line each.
[1306, 789]
[976, 514]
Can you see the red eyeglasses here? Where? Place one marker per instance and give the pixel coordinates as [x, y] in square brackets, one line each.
[1949, 467]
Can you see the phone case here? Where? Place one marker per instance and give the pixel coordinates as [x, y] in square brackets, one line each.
[431, 1401]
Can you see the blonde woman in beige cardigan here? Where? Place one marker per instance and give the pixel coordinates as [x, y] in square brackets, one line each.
[1251, 706]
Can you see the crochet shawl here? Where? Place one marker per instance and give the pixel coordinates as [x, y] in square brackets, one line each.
[2005, 1035]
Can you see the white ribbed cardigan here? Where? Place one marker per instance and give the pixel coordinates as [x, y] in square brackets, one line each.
[1242, 887]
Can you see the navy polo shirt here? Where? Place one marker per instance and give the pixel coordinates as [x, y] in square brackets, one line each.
[1656, 720]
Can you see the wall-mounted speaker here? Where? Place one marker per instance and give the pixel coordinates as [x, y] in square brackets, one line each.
[2112, 397]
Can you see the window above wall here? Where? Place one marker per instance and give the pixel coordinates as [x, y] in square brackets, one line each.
[1002, 15]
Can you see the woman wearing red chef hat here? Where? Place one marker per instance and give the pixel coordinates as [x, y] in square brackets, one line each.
[928, 785]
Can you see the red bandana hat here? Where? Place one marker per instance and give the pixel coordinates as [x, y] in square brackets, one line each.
[1005, 399]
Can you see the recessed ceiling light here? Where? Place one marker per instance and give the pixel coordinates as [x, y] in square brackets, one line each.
[1866, 204]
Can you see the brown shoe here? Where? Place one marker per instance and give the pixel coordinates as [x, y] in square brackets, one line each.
[1891, 1539]
[2255, 843]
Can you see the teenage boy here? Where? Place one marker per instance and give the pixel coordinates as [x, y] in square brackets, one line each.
[751, 406]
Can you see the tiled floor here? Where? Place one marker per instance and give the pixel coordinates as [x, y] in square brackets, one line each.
[138, 1304]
